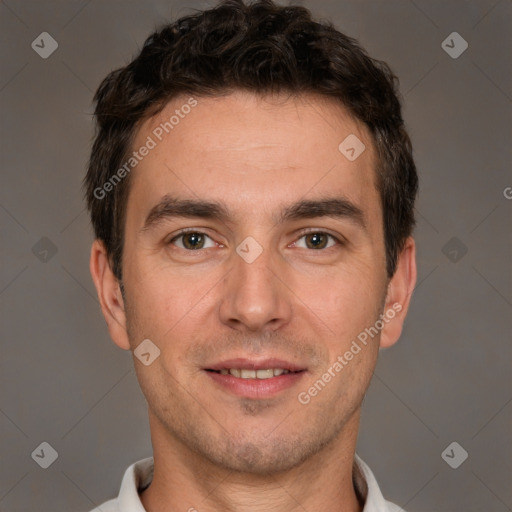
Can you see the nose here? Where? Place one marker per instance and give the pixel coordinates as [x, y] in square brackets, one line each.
[255, 295]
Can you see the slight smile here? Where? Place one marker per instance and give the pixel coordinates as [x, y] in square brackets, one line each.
[255, 379]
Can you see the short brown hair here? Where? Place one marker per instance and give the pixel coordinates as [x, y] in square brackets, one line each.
[263, 48]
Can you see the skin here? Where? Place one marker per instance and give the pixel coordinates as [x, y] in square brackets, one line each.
[213, 450]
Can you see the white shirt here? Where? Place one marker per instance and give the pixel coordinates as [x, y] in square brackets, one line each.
[139, 475]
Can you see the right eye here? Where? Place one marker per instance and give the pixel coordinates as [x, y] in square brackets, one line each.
[191, 240]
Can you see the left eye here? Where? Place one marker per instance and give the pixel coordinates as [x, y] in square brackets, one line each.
[192, 240]
[316, 240]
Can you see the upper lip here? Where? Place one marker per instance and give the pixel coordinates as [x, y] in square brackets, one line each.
[255, 364]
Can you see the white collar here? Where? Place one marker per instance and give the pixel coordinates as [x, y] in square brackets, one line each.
[140, 474]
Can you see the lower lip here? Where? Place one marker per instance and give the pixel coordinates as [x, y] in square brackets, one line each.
[256, 388]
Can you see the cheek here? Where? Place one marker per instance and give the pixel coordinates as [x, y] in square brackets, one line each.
[346, 300]
[161, 297]
[170, 310]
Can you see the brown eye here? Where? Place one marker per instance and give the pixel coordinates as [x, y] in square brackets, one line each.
[191, 241]
[316, 240]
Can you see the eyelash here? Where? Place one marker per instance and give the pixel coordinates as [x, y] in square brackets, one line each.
[186, 231]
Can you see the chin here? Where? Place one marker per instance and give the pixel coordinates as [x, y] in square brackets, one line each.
[261, 455]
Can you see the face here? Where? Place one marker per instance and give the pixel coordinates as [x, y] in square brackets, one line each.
[253, 259]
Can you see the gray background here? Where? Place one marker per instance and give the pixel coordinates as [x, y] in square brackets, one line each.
[448, 379]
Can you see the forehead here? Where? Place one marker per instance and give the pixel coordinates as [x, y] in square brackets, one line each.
[253, 151]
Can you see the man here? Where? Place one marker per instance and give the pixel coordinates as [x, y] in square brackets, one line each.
[251, 186]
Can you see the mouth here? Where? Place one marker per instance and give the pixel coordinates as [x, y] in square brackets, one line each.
[246, 373]
[255, 379]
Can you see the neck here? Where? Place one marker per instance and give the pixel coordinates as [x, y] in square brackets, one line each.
[185, 481]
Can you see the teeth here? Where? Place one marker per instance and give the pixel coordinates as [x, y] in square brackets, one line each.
[243, 373]
[264, 374]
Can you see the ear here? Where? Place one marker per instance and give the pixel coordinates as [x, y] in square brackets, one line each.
[109, 294]
[400, 288]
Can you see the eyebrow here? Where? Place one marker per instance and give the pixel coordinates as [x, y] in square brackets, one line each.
[337, 207]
